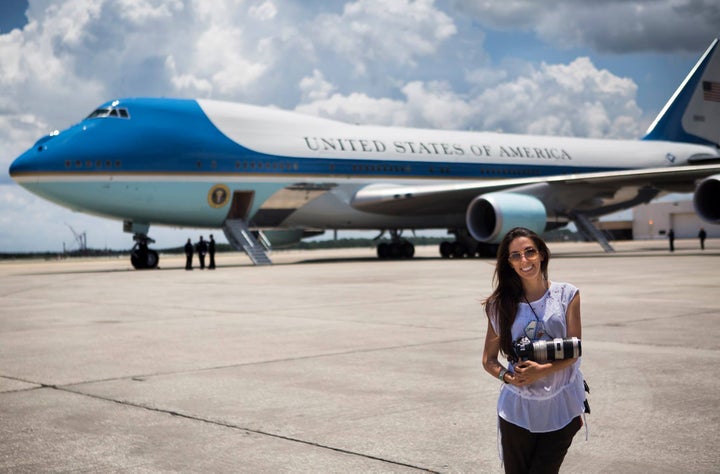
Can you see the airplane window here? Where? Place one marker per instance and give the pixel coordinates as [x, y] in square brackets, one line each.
[68, 163]
[108, 112]
[99, 113]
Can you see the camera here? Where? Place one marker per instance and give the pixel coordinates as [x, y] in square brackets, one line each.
[544, 351]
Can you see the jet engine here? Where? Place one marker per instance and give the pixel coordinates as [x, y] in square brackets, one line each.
[707, 197]
[490, 216]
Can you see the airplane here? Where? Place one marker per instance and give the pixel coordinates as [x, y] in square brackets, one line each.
[264, 174]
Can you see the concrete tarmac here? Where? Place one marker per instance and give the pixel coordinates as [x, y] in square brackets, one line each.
[333, 361]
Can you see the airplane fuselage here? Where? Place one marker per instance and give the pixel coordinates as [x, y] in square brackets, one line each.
[161, 160]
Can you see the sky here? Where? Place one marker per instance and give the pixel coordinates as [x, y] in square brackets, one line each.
[586, 68]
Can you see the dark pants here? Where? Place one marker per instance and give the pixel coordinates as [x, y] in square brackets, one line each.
[525, 452]
[212, 261]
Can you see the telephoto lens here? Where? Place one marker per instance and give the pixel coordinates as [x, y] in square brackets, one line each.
[545, 351]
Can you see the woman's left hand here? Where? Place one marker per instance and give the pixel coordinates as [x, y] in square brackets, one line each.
[528, 371]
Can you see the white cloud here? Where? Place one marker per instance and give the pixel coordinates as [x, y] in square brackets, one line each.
[612, 26]
[435, 105]
[227, 67]
[395, 31]
[315, 87]
[188, 84]
[263, 12]
[575, 99]
[143, 12]
[358, 108]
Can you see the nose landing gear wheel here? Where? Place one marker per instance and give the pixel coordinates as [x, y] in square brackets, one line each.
[141, 256]
[150, 260]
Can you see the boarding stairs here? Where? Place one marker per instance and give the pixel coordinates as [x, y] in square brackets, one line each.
[241, 238]
[589, 231]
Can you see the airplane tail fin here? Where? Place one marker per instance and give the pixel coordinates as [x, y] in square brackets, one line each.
[693, 113]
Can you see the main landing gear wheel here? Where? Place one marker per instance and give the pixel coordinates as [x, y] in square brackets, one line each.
[464, 246]
[397, 248]
[141, 256]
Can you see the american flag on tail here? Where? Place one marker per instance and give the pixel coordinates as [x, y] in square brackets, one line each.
[711, 91]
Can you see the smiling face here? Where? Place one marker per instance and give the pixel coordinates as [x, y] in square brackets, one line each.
[525, 258]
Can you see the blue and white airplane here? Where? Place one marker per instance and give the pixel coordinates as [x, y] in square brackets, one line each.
[253, 171]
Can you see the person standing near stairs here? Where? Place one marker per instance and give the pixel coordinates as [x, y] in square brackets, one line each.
[202, 249]
[211, 253]
[188, 255]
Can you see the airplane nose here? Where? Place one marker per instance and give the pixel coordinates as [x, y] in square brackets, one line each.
[33, 159]
[21, 164]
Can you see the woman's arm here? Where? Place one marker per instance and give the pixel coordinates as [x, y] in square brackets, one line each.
[490, 355]
[572, 317]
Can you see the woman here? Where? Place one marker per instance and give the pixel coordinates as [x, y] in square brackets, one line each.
[540, 405]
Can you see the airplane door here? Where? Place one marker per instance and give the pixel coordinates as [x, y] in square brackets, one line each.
[241, 204]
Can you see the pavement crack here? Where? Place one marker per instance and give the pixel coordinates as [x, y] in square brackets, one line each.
[240, 428]
[144, 377]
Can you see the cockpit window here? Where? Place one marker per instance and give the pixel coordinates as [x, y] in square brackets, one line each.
[103, 112]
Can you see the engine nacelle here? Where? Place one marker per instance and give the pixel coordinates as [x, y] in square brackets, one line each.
[707, 199]
[490, 216]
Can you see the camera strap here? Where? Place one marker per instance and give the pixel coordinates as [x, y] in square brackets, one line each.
[536, 327]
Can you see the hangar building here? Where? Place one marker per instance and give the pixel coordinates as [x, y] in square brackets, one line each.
[654, 220]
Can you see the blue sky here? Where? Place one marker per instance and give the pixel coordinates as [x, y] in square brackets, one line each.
[566, 67]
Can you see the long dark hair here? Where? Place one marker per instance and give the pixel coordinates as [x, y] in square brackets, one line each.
[502, 304]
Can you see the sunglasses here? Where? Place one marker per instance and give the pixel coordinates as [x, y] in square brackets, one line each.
[529, 253]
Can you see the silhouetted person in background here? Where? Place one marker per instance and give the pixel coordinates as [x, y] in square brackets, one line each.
[211, 252]
[188, 255]
[702, 235]
[671, 239]
[201, 248]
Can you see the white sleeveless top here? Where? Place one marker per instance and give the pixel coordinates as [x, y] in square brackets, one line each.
[553, 401]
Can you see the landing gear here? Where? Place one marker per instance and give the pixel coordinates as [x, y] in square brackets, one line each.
[465, 246]
[397, 248]
[141, 256]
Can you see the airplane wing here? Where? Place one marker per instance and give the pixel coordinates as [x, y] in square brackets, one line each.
[427, 199]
